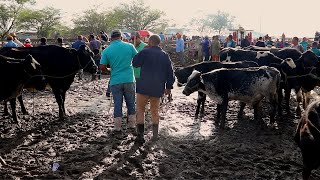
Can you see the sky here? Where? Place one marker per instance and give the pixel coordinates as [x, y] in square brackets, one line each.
[274, 17]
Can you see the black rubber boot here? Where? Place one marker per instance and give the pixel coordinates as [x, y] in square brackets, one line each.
[140, 134]
[155, 130]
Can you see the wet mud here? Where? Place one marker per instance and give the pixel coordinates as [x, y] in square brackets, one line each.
[85, 145]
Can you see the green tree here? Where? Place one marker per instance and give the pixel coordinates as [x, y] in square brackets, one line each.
[9, 12]
[43, 21]
[93, 22]
[219, 22]
[137, 15]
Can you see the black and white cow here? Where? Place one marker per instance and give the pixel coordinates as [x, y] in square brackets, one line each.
[23, 70]
[305, 78]
[307, 137]
[262, 58]
[204, 67]
[287, 53]
[248, 85]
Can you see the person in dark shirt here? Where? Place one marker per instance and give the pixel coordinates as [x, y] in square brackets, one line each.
[104, 36]
[156, 79]
[43, 41]
[78, 43]
[260, 43]
[245, 42]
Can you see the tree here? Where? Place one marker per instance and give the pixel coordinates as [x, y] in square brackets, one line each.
[43, 21]
[9, 11]
[213, 22]
[219, 22]
[92, 22]
[137, 16]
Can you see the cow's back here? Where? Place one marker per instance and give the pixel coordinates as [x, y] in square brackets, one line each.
[247, 85]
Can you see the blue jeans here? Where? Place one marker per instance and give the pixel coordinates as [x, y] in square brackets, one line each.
[128, 91]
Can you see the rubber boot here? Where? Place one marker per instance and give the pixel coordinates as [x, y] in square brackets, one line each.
[140, 134]
[132, 121]
[117, 123]
[155, 131]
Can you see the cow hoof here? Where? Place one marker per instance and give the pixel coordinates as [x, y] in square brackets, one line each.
[201, 115]
[196, 116]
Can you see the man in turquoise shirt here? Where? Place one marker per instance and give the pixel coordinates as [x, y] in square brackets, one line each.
[315, 48]
[119, 56]
[304, 44]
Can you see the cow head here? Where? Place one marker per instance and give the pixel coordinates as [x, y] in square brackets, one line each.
[85, 57]
[193, 83]
[34, 72]
[309, 59]
[182, 75]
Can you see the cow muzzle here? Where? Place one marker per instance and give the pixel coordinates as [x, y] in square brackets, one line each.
[186, 91]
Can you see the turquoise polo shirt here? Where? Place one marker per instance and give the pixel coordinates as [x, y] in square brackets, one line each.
[119, 56]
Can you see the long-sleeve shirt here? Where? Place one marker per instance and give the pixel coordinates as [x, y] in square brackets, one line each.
[119, 55]
[156, 71]
[179, 45]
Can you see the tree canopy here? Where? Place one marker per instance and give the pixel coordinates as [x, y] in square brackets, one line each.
[44, 21]
[217, 22]
[15, 15]
[138, 16]
[9, 12]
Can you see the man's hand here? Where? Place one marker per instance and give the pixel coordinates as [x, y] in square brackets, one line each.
[167, 91]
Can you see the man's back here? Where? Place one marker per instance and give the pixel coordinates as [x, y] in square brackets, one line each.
[94, 44]
[156, 69]
[77, 44]
[215, 47]
[260, 44]
[119, 55]
[10, 44]
[179, 45]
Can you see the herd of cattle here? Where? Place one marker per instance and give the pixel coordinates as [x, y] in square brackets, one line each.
[253, 74]
[247, 75]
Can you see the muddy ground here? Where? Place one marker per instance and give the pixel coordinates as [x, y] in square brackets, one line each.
[85, 146]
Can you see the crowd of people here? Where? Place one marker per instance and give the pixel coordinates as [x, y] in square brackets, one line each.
[211, 48]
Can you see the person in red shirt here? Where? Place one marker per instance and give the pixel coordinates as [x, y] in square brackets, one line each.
[27, 43]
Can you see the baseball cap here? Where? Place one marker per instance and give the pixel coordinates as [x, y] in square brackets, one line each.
[115, 33]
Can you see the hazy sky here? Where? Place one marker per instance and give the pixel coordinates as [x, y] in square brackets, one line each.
[294, 18]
